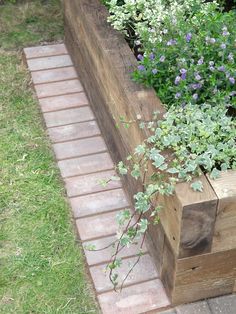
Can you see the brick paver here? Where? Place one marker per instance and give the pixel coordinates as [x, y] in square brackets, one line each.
[63, 117]
[104, 256]
[58, 88]
[85, 165]
[82, 147]
[137, 299]
[54, 75]
[98, 202]
[63, 102]
[91, 183]
[97, 226]
[45, 51]
[73, 131]
[83, 160]
[49, 62]
[143, 271]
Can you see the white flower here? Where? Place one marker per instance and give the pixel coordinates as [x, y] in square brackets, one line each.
[150, 15]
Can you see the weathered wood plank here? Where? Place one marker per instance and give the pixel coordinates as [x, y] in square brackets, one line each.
[155, 243]
[113, 94]
[104, 62]
[198, 218]
[204, 276]
[171, 217]
[168, 269]
[225, 226]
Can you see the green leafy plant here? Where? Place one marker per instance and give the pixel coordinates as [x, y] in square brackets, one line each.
[186, 52]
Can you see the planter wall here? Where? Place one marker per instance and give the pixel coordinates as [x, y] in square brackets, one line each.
[194, 247]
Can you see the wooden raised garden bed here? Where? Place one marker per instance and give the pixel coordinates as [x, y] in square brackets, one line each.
[194, 247]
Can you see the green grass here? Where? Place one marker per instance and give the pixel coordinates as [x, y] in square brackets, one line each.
[42, 267]
[29, 23]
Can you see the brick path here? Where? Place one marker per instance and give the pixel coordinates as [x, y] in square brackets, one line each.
[83, 159]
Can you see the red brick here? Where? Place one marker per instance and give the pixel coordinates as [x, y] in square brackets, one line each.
[104, 256]
[136, 299]
[45, 51]
[78, 148]
[63, 102]
[58, 88]
[53, 75]
[97, 226]
[73, 131]
[143, 271]
[49, 62]
[63, 117]
[85, 165]
[90, 183]
[98, 202]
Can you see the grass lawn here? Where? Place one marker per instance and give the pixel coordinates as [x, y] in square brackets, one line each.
[41, 265]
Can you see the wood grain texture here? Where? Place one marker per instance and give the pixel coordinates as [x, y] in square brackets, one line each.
[225, 226]
[171, 217]
[155, 243]
[168, 269]
[197, 228]
[104, 61]
[204, 276]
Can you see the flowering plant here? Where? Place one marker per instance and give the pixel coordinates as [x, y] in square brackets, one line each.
[192, 66]
[187, 53]
[144, 20]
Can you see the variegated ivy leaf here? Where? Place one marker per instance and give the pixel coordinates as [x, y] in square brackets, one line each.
[123, 170]
[192, 165]
[140, 253]
[151, 189]
[197, 186]
[224, 167]
[115, 264]
[114, 280]
[140, 149]
[136, 171]
[141, 202]
[157, 158]
[163, 167]
[142, 125]
[156, 211]
[151, 139]
[143, 224]
[173, 170]
[115, 178]
[170, 189]
[123, 216]
[126, 240]
[215, 174]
